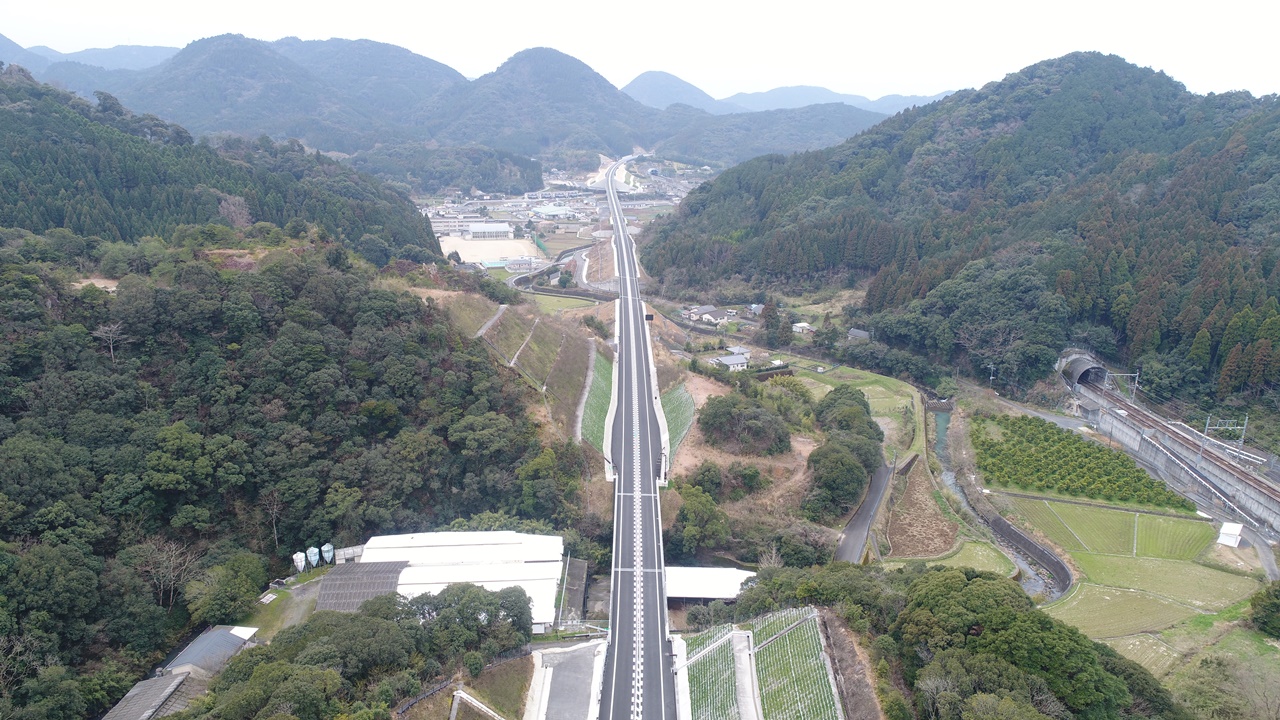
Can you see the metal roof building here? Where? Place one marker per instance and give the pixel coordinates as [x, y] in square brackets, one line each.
[429, 562]
[184, 678]
[705, 583]
[210, 652]
[154, 698]
[347, 586]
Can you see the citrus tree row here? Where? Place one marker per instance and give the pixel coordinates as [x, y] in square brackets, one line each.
[1032, 454]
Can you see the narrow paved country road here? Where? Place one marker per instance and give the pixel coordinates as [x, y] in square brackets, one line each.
[638, 681]
[853, 541]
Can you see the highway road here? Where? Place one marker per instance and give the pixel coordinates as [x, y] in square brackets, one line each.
[638, 681]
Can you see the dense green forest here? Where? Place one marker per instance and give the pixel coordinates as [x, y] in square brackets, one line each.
[426, 170]
[1080, 201]
[960, 640]
[102, 171]
[360, 665]
[162, 444]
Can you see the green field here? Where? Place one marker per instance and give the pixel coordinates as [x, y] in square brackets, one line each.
[678, 406]
[793, 676]
[1102, 612]
[1173, 538]
[1080, 528]
[887, 396]
[972, 554]
[712, 686]
[597, 407]
[1193, 585]
[1147, 650]
[1102, 531]
[551, 304]
[1042, 516]
[980, 556]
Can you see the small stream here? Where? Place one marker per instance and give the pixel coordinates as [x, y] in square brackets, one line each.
[1030, 580]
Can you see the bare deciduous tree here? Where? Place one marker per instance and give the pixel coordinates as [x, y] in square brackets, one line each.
[167, 566]
[112, 334]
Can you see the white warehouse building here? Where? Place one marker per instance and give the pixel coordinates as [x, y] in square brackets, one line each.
[420, 563]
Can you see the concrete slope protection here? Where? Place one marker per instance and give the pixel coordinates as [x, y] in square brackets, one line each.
[638, 680]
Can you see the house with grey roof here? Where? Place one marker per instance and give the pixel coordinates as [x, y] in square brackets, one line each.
[739, 350]
[186, 677]
[735, 363]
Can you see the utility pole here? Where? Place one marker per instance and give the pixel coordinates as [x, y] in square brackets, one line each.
[1228, 425]
[991, 380]
[1133, 389]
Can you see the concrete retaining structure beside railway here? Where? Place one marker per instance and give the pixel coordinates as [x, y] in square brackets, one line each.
[1218, 486]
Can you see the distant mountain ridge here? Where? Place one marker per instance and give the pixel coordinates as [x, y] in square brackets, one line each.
[120, 57]
[661, 90]
[802, 95]
[352, 96]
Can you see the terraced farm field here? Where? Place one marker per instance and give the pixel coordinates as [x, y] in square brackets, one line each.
[597, 407]
[1166, 537]
[1104, 612]
[793, 677]
[1102, 531]
[1194, 585]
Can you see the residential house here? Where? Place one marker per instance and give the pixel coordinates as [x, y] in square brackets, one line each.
[739, 350]
[802, 328]
[715, 317]
[754, 310]
[695, 313]
[735, 363]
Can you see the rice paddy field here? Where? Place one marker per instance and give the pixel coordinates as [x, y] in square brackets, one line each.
[1139, 570]
[1110, 612]
[1092, 529]
[1147, 650]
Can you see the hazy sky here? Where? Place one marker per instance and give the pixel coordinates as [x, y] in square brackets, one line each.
[724, 47]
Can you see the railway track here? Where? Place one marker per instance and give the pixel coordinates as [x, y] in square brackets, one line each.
[1177, 432]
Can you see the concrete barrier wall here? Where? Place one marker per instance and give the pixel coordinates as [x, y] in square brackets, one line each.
[1204, 480]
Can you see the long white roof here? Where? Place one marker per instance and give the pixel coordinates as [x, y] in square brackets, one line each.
[493, 560]
[705, 583]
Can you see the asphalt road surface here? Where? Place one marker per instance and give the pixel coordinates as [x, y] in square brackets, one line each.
[638, 681]
[854, 538]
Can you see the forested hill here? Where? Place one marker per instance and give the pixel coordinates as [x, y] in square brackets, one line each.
[1080, 200]
[101, 170]
[233, 398]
